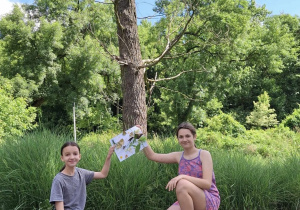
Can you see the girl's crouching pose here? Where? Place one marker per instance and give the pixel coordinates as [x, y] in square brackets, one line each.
[195, 185]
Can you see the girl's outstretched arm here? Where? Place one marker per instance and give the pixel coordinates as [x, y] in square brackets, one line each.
[105, 169]
[172, 157]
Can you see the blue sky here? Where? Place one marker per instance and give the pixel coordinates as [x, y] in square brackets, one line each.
[144, 7]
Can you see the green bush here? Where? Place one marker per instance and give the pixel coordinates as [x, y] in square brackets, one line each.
[293, 121]
[273, 142]
[225, 124]
[15, 116]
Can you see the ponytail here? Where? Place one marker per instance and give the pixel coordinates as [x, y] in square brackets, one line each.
[62, 168]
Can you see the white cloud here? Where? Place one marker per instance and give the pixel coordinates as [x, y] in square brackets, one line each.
[6, 7]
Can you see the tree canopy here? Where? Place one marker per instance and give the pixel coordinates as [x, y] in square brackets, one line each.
[200, 58]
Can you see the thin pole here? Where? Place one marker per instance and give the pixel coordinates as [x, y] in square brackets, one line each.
[74, 122]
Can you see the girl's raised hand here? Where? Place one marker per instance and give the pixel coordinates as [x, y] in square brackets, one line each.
[111, 151]
[140, 127]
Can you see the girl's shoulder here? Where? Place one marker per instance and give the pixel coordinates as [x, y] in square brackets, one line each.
[204, 151]
[59, 177]
[205, 155]
[82, 170]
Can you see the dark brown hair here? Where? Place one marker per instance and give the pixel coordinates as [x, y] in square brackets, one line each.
[68, 143]
[186, 125]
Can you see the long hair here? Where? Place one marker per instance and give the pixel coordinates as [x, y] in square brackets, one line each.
[186, 125]
[68, 143]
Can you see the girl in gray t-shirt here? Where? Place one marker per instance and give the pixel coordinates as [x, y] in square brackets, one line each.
[68, 189]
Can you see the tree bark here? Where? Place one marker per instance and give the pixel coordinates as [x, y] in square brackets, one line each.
[133, 84]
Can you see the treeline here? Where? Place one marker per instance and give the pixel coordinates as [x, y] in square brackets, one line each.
[234, 60]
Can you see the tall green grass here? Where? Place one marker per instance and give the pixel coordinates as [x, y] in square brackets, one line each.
[250, 182]
[28, 165]
[27, 168]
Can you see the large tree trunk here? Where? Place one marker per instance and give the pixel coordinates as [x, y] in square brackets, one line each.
[133, 84]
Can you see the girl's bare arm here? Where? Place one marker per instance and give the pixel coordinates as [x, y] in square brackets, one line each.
[105, 169]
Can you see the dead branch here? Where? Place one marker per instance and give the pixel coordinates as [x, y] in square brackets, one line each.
[170, 45]
[170, 78]
[110, 55]
[102, 2]
[184, 95]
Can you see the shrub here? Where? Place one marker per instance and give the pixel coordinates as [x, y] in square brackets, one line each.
[225, 124]
[15, 116]
[293, 121]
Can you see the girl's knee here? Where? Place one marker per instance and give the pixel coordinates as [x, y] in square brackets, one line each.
[182, 186]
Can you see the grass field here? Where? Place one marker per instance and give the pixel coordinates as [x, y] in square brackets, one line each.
[246, 180]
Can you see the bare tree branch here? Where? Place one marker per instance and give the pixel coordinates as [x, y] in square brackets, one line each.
[170, 45]
[151, 89]
[149, 17]
[170, 78]
[184, 95]
[102, 2]
[113, 57]
[110, 99]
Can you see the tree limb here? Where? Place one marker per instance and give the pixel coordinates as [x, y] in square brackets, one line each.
[113, 57]
[170, 45]
[184, 95]
[170, 78]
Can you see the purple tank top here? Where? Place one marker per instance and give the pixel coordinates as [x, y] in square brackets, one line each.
[193, 168]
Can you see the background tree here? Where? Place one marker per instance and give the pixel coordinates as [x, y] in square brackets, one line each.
[201, 56]
[59, 57]
[262, 116]
[232, 56]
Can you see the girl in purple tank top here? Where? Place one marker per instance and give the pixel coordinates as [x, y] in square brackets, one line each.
[195, 184]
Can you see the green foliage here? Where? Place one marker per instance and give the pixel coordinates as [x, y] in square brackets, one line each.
[213, 107]
[53, 54]
[267, 61]
[56, 53]
[231, 52]
[225, 124]
[272, 142]
[293, 121]
[15, 116]
[262, 116]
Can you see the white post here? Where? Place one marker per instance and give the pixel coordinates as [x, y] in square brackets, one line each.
[74, 122]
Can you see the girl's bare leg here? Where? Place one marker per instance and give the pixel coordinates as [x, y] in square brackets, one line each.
[189, 196]
[174, 207]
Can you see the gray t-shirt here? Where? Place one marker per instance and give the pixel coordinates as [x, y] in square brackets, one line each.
[71, 189]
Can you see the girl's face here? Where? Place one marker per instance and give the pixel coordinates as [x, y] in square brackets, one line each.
[186, 138]
[70, 156]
